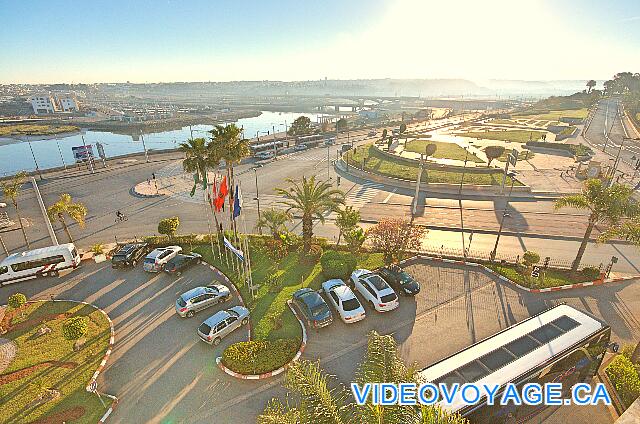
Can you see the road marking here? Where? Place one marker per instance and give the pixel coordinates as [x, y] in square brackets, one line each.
[389, 196]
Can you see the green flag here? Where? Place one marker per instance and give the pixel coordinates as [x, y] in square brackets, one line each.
[204, 181]
[196, 180]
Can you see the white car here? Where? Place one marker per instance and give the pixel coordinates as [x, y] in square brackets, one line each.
[344, 301]
[155, 261]
[375, 290]
[300, 147]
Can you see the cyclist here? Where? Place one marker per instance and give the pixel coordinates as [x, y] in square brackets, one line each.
[119, 215]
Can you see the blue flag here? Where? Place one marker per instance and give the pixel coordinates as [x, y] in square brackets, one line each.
[237, 203]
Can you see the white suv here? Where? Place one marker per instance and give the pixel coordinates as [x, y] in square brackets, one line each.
[154, 262]
[344, 301]
[375, 290]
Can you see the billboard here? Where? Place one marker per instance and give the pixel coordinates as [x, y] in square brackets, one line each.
[83, 153]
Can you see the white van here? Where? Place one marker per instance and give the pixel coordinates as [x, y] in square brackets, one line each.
[38, 263]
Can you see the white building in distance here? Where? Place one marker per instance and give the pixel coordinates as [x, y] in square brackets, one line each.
[48, 104]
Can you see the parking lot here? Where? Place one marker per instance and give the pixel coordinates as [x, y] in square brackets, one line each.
[162, 372]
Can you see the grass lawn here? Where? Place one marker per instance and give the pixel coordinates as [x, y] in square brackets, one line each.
[443, 150]
[380, 164]
[71, 382]
[553, 277]
[555, 115]
[517, 136]
[31, 129]
[568, 131]
[294, 273]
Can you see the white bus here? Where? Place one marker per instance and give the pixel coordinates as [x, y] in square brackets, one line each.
[272, 147]
[38, 263]
[559, 345]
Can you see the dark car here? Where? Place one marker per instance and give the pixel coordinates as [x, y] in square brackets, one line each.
[400, 280]
[181, 262]
[313, 307]
[129, 255]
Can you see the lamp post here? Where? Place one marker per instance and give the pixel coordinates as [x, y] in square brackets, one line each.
[504, 215]
[34, 160]
[466, 157]
[257, 199]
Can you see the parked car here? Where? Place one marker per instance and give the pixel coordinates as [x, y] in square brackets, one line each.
[129, 255]
[181, 262]
[201, 298]
[372, 133]
[330, 141]
[300, 147]
[375, 290]
[400, 280]
[160, 256]
[313, 307]
[344, 301]
[217, 326]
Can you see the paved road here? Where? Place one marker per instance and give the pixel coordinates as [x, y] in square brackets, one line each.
[162, 373]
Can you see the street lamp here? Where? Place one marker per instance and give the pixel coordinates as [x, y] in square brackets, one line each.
[466, 157]
[504, 215]
[257, 198]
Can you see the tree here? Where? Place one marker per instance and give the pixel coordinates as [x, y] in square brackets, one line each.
[274, 220]
[384, 133]
[429, 150]
[169, 226]
[607, 205]
[312, 199]
[199, 158]
[403, 127]
[493, 152]
[394, 236]
[341, 124]
[590, 85]
[11, 191]
[66, 206]
[300, 126]
[346, 220]
[17, 301]
[355, 238]
[320, 400]
[530, 258]
[75, 327]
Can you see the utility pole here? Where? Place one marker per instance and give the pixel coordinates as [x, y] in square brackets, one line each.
[89, 156]
[504, 215]
[43, 209]
[34, 160]
[144, 146]
[415, 198]
[466, 157]
[255, 172]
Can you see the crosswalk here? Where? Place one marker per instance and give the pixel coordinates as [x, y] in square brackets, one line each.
[360, 195]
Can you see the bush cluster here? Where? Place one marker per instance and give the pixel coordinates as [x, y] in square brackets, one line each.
[75, 327]
[591, 272]
[624, 377]
[337, 264]
[313, 254]
[259, 356]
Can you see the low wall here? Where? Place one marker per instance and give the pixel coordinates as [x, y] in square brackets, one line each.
[430, 187]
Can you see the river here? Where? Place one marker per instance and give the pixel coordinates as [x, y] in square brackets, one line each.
[55, 152]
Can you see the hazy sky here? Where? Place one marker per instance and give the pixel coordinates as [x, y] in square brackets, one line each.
[202, 40]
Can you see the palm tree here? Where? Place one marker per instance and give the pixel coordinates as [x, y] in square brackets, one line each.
[274, 220]
[320, 404]
[590, 85]
[346, 220]
[607, 205]
[226, 143]
[11, 190]
[198, 158]
[312, 199]
[66, 206]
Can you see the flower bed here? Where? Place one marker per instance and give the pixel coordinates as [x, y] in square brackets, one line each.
[259, 356]
[625, 378]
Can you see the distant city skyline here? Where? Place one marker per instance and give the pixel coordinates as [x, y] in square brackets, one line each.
[148, 41]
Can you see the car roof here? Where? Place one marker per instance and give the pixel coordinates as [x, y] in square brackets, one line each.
[329, 284]
[216, 318]
[360, 272]
[310, 297]
[194, 292]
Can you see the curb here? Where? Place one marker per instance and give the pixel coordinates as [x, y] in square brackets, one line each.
[505, 279]
[110, 410]
[280, 370]
[135, 193]
[226, 279]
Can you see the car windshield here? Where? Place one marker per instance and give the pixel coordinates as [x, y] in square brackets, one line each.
[181, 302]
[118, 258]
[405, 277]
[377, 282]
[149, 261]
[204, 328]
[319, 309]
[233, 313]
[351, 304]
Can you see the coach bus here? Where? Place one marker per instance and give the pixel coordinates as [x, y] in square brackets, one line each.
[272, 146]
[559, 345]
[47, 261]
[311, 140]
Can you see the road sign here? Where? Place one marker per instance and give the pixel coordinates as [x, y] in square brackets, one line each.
[513, 157]
[93, 386]
[535, 272]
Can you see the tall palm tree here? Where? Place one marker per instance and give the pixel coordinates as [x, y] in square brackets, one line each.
[11, 190]
[312, 199]
[228, 144]
[274, 220]
[320, 404]
[606, 205]
[65, 206]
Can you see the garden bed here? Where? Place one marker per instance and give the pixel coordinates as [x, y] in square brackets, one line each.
[624, 377]
[553, 277]
[50, 362]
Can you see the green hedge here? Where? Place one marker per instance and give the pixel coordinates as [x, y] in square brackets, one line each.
[624, 377]
[259, 356]
[337, 264]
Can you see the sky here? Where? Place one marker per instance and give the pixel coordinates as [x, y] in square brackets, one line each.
[72, 41]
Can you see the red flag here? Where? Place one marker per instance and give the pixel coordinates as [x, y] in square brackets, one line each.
[224, 190]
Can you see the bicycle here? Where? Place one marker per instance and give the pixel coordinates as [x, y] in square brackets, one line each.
[121, 218]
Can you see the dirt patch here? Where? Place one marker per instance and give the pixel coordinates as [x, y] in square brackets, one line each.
[19, 374]
[6, 325]
[68, 415]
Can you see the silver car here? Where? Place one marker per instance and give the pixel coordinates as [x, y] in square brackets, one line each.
[200, 298]
[216, 327]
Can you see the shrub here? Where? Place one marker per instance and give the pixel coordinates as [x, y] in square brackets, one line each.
[275, 249]
[75, 327]
[169, 226]
[259, 356]
[625, 378]
[314, 253]
[591, 272]
[337, 264]
[530, 258]
[273, 281]
[17, 300]
[98, 248]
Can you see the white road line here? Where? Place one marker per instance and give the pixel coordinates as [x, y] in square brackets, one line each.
[389, 196]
